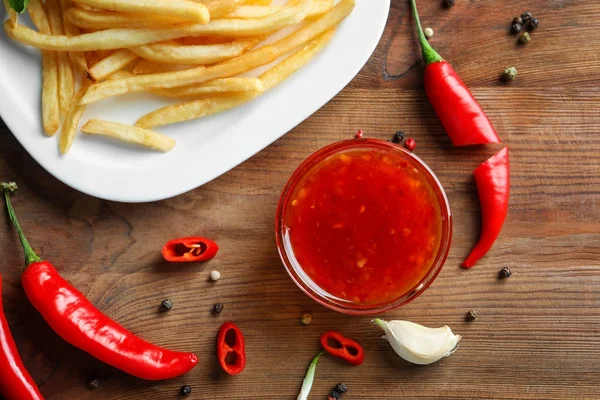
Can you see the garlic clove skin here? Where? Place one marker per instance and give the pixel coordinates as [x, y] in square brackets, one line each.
[419, 344]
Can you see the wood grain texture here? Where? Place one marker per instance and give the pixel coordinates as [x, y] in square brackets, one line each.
[538, 333]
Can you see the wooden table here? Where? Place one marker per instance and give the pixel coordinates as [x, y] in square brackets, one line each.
[538, 333]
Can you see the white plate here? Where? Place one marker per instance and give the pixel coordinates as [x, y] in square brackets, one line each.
[205, 148]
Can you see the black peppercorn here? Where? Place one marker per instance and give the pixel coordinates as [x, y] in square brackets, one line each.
[516, 27]
[509, 73]
[398, 137]
[518, 20]
[505, 272]
[526, 17]
[341, 387]
[471, 315]
[524, 38]
[93, 384]
[334, 394]
[218, 308]
[534, 23]
[167, 304]
[449, 3]
[185, 390]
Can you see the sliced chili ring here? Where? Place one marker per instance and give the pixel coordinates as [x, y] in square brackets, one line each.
[189, 249]
[341, 347]
[231, 349]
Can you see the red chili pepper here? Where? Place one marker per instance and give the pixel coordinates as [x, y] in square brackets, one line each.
[77, 321]
[339, 346]
[493, 184]
[15, 381]
[189, 249]
[460, 114]
[231, 349]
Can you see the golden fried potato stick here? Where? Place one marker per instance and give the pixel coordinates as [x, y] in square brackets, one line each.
[129, 134]
[212, 105]
[109, 65]
[74, 113]
[183, 9]
[175, 53]
[124, 38]
[50, 103]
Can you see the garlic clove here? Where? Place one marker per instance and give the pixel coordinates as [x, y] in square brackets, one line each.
[419, 344]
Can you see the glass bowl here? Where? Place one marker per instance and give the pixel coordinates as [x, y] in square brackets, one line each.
[296, 271]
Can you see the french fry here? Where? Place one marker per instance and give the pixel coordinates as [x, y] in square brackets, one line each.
[50, 106]
[13, 17]
[203, 107]
[123, 38]
[77, 58]
[129, 134]
[183, 9]
[72, 117]
[66, 82]
[225, 85]
[319, 7]
[245, 62]
[111, 64]
[111, 20]
[217, 8]
[174, 53]
[146, 67]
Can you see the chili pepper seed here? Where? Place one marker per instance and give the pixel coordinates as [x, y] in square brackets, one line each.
[306, 319]
[341, 387]
[471, 315]
[218, 308]
[410, 144]
[334, 394]
[94, 384]
[516, 27]
[215, 275]
[185, 390]
[167, 304]
[534, 24]
[428, 33]
[509, 73]
[505, 272]
[359, 134]
[524, 38]
[526, 17]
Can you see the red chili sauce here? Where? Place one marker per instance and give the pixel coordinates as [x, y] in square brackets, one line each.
[365, 225]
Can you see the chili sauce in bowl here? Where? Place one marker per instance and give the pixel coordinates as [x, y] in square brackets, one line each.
[363, 226]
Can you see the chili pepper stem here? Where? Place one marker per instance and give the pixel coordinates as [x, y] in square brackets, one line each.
[429, 54]
[8, 188]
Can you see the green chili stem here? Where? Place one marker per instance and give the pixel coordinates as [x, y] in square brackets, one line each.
[429, 54]
[30, 256]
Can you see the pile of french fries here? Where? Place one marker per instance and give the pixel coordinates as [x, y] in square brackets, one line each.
[192, 50]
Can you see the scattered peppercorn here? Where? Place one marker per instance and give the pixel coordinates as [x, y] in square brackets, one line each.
[524, 38]
[334, 394]
[516, 27]
[398, 137]
[526, 17]
[505, 272]
[450, 3]
[359, 134]
[341, 387]
[185, 390]
[411, 144]
[518, 20]
[509, 73]
[167, 304]
[218, 308]
[471, 315]
[534, 24]
[215, 275]
[94, 384]
[428, 33]
[306, 319]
